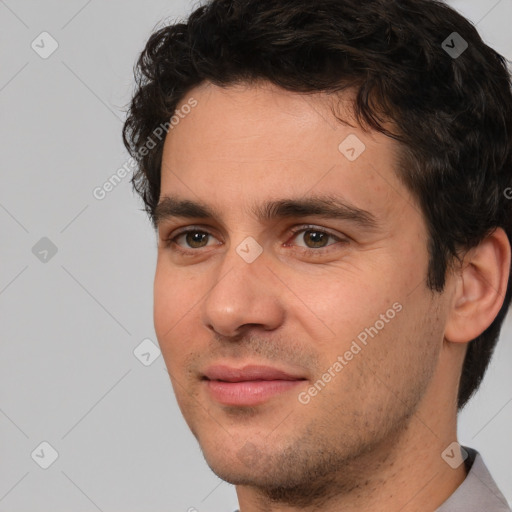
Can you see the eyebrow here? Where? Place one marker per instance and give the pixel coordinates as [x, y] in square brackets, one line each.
[322, 206]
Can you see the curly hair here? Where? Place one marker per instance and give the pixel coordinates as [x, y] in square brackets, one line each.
[451, 114]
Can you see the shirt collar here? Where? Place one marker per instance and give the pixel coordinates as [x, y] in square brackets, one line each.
[478, 492]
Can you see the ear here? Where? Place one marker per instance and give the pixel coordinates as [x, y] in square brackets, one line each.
[480, 287]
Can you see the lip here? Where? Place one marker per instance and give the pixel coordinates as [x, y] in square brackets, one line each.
[248, 386]
[248, 372]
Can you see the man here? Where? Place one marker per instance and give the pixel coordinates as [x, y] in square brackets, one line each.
[334, 244]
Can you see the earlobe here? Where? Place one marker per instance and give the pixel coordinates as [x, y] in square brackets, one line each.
[480, 288]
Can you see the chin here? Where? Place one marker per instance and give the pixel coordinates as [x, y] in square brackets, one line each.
[234, 471]
[237, 460]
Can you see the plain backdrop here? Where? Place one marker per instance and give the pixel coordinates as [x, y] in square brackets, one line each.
[76, 277]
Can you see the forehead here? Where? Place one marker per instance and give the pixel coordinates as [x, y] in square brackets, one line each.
[232, 121]
[260, 141]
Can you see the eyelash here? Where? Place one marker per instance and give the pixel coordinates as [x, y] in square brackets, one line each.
[171, 241]
[320, 250]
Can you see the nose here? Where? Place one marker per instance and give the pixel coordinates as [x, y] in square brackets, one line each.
[243, 294]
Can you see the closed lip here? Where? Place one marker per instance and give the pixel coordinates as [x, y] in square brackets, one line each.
[227, 373]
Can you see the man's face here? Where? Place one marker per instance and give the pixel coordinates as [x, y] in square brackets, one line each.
[293, 291]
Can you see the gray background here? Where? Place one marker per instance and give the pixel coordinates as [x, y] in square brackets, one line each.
[69, 325]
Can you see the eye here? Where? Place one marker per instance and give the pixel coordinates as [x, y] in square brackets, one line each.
[314, 238]
[192, 238]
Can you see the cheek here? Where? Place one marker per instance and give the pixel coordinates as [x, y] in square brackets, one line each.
[338, 302]
[164, 299]
[174, 298]
[381, 378]
[369, 314]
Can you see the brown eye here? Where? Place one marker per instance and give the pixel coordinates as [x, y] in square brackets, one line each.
[315, 239]
[196, 239]
[190, 240]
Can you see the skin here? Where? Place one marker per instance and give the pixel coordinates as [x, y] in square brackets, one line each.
[372, 438]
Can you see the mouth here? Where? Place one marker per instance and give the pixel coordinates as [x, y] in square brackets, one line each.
[248, 386]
